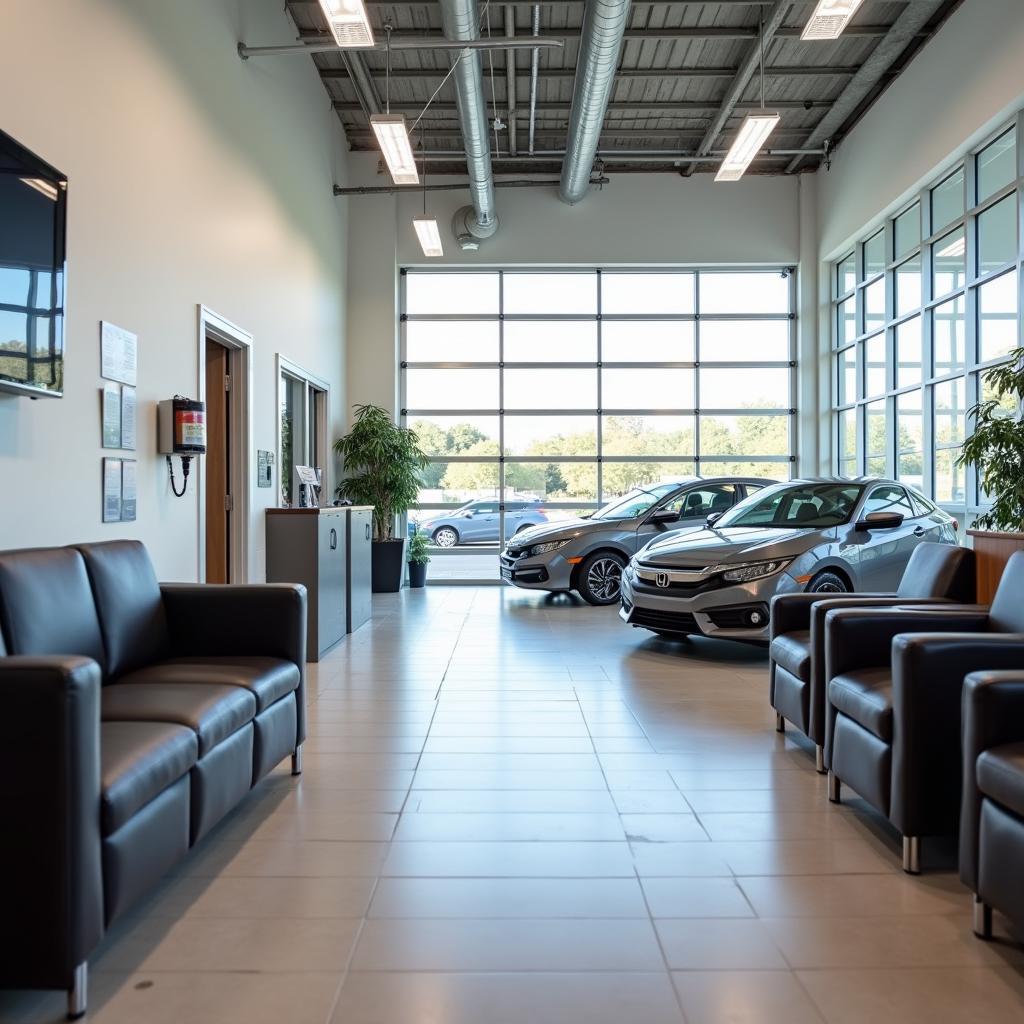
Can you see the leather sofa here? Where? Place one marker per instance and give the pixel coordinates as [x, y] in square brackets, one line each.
[935, 573]
[135, 716]
[992, 812]
[893, 725]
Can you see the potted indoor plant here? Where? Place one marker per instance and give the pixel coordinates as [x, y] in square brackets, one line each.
[383, 462]
[418, 558]
[996, 449]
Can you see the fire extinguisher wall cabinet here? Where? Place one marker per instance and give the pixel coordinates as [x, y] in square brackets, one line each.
[309, 546]
[360, 565]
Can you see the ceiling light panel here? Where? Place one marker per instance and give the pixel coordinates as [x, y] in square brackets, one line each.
[348, 22]
[429, 235]
[829, 19]
[393, 138]
[753, 132]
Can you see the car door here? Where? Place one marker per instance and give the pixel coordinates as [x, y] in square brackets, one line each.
[515, 513]
[692, 506]
[883, 554]
[484, 523]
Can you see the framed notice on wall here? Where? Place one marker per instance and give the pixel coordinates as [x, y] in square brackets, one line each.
[129, 490]
[111, 409]
[111, 490]
[119, 354]
[128, 417]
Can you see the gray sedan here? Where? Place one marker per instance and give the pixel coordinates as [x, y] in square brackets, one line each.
[824, 536]
[587, 554]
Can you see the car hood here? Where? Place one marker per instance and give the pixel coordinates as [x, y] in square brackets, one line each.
[565, 529]
[731, 544]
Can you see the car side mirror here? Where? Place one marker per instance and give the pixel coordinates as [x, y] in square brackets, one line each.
[468, 514]
[664, 516]
[713, 518]
[880, 521]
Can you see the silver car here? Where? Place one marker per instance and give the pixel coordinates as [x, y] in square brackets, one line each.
[588, 554]
[824, 536]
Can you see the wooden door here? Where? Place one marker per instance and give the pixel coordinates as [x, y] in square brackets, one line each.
[218, 464]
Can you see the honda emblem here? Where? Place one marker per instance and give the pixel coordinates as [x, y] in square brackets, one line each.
[661, 579]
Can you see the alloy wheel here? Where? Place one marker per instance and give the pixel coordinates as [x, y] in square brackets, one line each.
[604, 579]
[446, 538]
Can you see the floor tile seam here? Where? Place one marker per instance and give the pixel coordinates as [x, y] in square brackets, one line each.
[335, 1001]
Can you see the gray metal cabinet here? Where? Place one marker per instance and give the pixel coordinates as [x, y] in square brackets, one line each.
[360, 539]
[309, 546]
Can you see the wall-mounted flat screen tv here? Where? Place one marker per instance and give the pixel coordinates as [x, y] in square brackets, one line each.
[33, 211]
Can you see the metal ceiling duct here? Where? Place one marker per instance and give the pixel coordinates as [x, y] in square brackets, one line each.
[604, 23]
[460, 20]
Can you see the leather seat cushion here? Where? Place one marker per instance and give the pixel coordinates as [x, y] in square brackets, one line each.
[866, 697]
[1000, 773]
[269, 679]
[212, 712]
[793, 652]
[138, 761]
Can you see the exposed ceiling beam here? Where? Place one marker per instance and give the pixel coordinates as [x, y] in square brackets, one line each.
[779, 71]
[682, 108]
[913, 19]
[744, 73]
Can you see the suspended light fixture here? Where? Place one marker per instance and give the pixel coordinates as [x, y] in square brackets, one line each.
[829, 19]
[426, 227]
[392, 134]
[752, 134]
[348, 22]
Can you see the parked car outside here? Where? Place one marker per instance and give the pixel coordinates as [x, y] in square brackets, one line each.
[587, 554]
[819, 536]
[477, 522]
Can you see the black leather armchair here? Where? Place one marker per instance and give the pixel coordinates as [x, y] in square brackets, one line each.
[134, 718]
[935, 573]
[894, 717]
[992, 811]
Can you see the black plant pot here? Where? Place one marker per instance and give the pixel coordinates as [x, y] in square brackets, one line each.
[417, 574]
[388, 561]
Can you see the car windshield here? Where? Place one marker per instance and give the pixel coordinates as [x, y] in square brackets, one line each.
[635, 503]
[803, 506]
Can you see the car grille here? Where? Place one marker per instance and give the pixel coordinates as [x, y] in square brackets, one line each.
[715, 583]
[669, 622]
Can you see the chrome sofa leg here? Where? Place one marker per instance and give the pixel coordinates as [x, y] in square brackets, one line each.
[297, 761]
[834, 788]
[912, 855]
[78, 993]
[780, 723]
[982, 919]
[819, 759]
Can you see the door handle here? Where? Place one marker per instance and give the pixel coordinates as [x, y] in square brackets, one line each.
[919, 531]
[334, 539]
[367, 531]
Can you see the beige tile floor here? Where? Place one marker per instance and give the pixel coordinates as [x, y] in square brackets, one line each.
[515, 810]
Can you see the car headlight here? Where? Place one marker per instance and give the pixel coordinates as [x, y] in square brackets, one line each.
[754, 570]
[543, 549]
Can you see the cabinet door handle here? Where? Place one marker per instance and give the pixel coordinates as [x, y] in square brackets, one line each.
[334, 539]
[367, 531]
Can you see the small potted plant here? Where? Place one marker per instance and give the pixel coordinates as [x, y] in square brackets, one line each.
[383, 462]
[996, 449]
[418, 558]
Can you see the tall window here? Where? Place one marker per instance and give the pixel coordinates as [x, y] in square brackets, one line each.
[922, 306]
[567, 388]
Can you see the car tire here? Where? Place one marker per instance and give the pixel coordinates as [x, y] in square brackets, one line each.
[599, 578]
[525, 526]
[445, 537]
[828, 583]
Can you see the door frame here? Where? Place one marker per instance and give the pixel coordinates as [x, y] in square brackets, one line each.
[283, 365]
[238, 342]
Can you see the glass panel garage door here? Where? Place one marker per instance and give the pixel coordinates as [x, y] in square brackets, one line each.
[540, 395]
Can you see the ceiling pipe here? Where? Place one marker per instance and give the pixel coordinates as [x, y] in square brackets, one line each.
[510, 79]
[460, 20]
[420, 43]
[906, 27]
[390, 190]
[604, 22]
[534, 73]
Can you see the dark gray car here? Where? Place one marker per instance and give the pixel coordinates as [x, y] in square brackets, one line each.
[587, 554]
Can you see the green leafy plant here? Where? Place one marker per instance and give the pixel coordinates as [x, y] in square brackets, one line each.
[418, 551]
[996, 447]
[383, 463]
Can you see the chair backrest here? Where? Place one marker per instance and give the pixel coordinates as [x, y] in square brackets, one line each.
[46, 604]
[1007, 612]
[939, 570]
[131, 608]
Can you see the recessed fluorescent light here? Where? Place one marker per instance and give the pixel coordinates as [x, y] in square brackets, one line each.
[754, 130]
[47, 188]
[829, 19]
[955, 248]
[348, 22]
[429, 235]
[394, 144]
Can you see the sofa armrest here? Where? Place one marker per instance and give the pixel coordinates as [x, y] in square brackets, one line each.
[255, 619]
[51, 860]
[928, 681]
[857, 638]
[993, 714]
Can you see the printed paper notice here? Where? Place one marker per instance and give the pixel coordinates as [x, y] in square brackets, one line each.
[111, 416]
[118, 354]
[129, 490]
[128, 409]
[111, 490]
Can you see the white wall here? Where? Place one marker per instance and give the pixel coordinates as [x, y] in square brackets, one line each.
[638, 219]
[193, 178]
